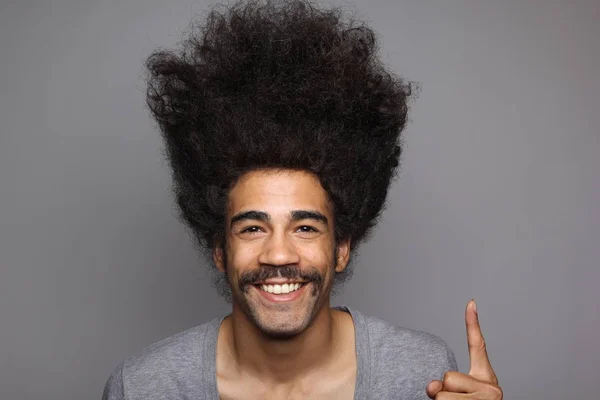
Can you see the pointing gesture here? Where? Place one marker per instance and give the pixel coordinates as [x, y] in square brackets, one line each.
[481, 382]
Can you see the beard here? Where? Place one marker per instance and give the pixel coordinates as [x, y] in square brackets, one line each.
[281, 320]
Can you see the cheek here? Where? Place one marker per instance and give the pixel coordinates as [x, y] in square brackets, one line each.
[242, 255]
[319, 255]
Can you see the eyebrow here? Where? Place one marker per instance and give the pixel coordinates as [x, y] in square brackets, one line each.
[250, 215]
[314, 215]
[296, 215]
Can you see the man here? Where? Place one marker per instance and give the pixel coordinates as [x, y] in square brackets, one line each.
[283, 132]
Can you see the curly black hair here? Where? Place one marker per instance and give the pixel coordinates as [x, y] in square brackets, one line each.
[278, 84]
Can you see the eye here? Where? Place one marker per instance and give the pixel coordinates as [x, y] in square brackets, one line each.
[306, 229]
[251, 229]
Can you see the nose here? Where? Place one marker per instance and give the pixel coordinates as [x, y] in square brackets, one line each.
[278, 250]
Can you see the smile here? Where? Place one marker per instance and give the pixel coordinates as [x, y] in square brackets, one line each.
[281, 289]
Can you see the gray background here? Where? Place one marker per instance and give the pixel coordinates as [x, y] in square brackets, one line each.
[498, 196]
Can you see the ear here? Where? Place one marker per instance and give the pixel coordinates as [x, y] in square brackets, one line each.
[218, 257]
[343, 255]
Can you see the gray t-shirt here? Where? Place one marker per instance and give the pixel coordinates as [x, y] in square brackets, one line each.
[393, 363]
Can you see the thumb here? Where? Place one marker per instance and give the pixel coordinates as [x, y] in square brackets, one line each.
[433, 388]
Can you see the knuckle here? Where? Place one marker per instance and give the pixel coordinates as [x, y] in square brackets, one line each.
[482, 345]
[495, 380]
[450, 377]
[495, 392]
[479, 345]
[498, 392]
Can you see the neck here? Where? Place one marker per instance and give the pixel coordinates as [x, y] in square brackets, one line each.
[281, 360]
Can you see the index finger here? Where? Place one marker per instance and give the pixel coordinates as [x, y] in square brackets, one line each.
[480, 363]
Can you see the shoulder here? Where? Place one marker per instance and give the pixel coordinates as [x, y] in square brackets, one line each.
[170, 354]
[172, 365]
[403, 361]
[408, 344]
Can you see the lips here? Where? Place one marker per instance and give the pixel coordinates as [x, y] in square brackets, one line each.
[269, 293]
[280, 288]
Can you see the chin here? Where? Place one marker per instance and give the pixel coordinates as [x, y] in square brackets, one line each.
[279, 320]
[280, 333]
[278, 330]
[281, 323]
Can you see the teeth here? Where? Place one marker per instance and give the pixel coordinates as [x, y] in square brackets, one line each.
[278, 289]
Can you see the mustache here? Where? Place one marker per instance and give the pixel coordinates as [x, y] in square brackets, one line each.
[261, 274]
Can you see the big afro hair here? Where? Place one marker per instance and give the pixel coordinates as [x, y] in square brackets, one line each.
[278, 84]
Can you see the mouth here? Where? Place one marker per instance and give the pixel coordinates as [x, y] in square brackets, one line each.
[281, 292]
[280, 288]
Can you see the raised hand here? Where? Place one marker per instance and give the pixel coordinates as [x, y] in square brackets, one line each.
[481, 382]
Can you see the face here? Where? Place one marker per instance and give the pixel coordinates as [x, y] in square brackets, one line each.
[280, 253]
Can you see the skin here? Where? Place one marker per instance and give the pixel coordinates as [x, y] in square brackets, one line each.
[282, 350]
[481, 382]
[274, 350]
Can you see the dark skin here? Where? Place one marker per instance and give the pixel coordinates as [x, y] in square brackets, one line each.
[273, 349]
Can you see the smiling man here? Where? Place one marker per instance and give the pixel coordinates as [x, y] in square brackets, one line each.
[283, 128]
[282, 219]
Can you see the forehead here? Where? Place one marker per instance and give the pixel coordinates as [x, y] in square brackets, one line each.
[277, 192]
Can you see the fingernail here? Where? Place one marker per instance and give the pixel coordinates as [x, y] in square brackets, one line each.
[474, 305]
